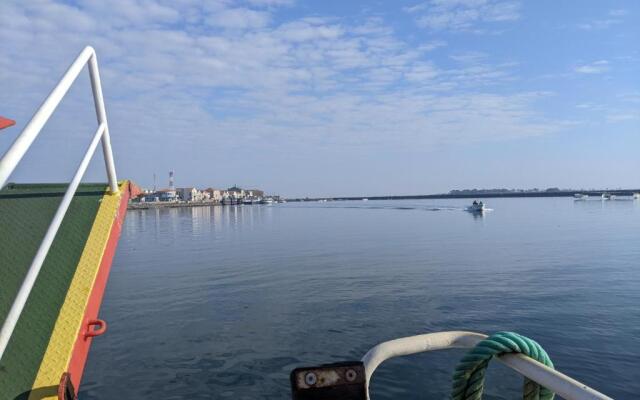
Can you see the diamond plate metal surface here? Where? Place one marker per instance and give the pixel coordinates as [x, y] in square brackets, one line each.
[25, 214]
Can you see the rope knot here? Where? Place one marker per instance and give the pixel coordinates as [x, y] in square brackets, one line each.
[468, 378]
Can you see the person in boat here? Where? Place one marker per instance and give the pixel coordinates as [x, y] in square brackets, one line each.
[475, 202]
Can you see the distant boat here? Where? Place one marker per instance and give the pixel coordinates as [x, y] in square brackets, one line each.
[580, 196]
[267, 200]
[476, 207]
[636, 196]
[365, 199]
[608, 196]
[251, 200]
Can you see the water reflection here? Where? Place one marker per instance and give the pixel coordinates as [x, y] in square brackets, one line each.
[476, 214]
[224, 301]
[195, 221]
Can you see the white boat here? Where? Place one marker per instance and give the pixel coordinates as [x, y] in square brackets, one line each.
[477, 206]
[365, 199]
[267, 200]
[580, 196]
[636, 196]
[608, 196]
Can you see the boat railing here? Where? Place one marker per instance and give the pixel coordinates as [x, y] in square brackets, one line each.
[563, 385]
[20, 146]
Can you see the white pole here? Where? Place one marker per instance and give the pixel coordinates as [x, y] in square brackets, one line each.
[23, 294]
[20, 146]
[101, 114]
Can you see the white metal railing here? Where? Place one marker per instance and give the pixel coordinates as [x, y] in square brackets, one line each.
[20, 146]
[566, 387]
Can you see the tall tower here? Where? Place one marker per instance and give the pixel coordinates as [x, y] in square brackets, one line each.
[171, 185]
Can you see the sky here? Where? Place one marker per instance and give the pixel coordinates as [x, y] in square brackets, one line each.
[333, 98]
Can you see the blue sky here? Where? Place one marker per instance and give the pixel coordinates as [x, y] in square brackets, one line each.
[325, 98]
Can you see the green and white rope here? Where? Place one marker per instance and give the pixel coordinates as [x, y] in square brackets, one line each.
[468, 378]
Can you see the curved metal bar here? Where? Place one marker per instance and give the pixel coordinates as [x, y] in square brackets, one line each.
[563, 385]
[31, 131]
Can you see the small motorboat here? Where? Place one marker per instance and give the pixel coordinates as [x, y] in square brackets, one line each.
[580, 196]
[267, 200]
[476, 207]
[608, 196]
[636, 196]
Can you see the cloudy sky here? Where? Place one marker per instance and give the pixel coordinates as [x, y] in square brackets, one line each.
[334, 97]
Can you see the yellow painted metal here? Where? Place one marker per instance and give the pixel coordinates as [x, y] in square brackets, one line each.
[60, 348]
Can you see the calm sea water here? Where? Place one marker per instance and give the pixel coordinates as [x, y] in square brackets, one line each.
[222, 302]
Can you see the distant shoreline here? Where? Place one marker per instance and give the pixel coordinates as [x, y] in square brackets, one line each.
[561, 193]
[170, 204]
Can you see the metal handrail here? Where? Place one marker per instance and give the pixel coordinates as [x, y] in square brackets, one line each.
[20, 146]
[566, 387]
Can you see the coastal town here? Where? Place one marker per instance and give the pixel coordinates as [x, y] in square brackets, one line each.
[191, 196]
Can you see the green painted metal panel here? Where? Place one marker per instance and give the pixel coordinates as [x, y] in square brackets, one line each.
[26, 210]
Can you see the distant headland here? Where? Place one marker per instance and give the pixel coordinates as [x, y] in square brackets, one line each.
[485, 193]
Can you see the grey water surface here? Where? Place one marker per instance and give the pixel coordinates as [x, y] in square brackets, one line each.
[223, 302]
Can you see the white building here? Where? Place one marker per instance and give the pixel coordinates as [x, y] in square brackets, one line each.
[190, 194]
[214, 194]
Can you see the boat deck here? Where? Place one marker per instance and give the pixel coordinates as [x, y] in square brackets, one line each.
[49, 338]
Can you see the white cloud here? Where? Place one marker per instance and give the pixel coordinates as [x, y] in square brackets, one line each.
[309, 30]
[238, 18]
[613, 17]
[622, 117]
[618, 13]
[271, 3]
[463, 15]
[215, 77]
[596, 67]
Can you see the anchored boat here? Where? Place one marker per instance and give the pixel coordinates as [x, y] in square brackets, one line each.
[608, 196]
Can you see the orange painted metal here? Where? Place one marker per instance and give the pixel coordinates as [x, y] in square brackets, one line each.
[91, 332]
[83, 341]
[6, 122]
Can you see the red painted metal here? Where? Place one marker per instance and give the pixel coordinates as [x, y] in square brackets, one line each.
[82, 345]
[91, 332]
[6, 122]
[66, 390]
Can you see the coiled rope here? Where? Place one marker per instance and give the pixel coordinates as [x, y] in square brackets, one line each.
[468, 378]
